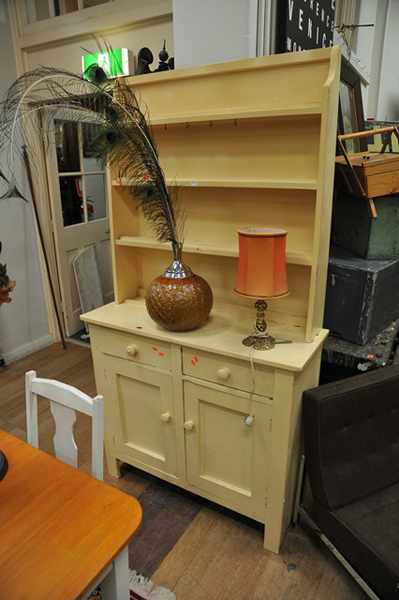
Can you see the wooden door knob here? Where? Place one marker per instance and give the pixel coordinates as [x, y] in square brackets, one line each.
[166, 417]
[224, 374]
[132, 350]
[189, 425]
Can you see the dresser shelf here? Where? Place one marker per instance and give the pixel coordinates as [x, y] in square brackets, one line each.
[232, 115]
[295, 258]
[283, 184]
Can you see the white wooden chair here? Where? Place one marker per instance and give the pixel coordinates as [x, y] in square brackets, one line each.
[64, 401]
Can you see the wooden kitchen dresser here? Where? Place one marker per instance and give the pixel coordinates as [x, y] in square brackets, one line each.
[242, 143]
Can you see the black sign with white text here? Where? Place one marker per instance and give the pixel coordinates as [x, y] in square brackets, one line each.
[305, 24]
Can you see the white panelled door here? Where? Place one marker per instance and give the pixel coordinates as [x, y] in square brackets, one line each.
[78, 195]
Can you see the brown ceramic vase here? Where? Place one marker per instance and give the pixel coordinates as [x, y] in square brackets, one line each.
[179, 300]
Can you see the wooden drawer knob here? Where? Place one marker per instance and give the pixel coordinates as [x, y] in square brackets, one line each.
[132, 350]
[223, 374]
[166, 417]
[189, 425]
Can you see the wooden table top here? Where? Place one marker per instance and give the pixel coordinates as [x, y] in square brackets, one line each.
[59, 527]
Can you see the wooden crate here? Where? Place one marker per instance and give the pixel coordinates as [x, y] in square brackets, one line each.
[370, 174]
[378, 173]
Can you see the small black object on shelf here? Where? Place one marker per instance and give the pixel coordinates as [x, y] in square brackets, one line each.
[3, 465]
[163, 58]
[145, 58]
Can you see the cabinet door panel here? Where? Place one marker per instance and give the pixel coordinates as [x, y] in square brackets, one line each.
[145, 415]
[225, 456]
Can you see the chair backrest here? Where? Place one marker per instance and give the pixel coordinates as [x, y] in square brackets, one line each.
[352, 436]
[64, 401]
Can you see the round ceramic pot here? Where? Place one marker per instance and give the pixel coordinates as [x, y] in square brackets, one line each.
[179, 300]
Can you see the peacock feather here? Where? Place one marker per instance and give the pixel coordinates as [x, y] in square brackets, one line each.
[124, 139]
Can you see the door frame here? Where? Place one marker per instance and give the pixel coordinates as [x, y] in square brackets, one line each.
[57, 224]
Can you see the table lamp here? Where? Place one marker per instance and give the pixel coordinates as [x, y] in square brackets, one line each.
[261, 274]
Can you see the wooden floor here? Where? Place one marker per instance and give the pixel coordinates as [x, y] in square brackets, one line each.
[216, 555]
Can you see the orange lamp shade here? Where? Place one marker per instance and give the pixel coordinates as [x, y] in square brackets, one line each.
[262, 270]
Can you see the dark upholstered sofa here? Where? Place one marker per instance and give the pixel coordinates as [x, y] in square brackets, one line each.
[352, 457]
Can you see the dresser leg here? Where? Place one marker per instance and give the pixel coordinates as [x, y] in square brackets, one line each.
[273, 535]
[114, 466]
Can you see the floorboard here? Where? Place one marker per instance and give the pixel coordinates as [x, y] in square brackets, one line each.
[195, 548]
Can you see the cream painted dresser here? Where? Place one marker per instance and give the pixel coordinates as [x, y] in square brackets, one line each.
[247, 143]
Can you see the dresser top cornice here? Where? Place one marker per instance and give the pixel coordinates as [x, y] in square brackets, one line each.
[221, 335]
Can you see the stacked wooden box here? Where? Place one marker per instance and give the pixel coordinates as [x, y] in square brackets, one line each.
[363, 271]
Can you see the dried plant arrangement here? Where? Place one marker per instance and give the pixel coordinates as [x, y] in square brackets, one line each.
[126, 143]
[124, 138]
[6, 285]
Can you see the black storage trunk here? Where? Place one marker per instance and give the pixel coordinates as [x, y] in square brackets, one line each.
[362, 296]
[355, 230]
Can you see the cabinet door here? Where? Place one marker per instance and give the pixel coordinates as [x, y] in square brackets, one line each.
[227, 457]
[144, 415]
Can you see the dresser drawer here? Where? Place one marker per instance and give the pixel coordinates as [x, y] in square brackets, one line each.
[135, 348]
[228, 371]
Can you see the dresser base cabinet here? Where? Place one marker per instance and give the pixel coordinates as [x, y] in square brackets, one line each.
[236, 448]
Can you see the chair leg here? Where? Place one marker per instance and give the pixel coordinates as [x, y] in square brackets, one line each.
[116, 585]
[298, 492]
[308, 521]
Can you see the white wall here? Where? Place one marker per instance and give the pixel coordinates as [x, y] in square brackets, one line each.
[68, 54]
[23, 323]
[209, 32]
[375, 57]
[369, 51]
[388, 99]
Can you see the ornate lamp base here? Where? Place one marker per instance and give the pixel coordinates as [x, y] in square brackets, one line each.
[260, 342]
[261, 339]
[3, 465]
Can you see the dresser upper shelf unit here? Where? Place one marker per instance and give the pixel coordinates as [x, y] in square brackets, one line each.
[246, 143]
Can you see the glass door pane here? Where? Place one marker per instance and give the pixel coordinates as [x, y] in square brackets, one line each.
[88, 3]
[95, 197]
[65, 6]
[67, 146]
[72, 200]
[89, 162]
[81, 176]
